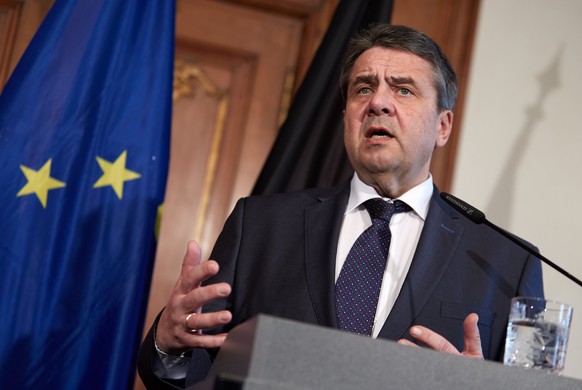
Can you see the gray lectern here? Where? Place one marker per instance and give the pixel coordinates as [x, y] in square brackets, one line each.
[272, 353]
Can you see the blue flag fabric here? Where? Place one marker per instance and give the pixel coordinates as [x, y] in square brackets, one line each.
[84, 145]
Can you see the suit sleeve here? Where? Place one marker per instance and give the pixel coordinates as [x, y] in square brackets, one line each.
[226, 253]
[146, 360]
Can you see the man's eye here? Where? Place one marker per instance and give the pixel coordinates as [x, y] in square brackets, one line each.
[405, 91]
[364, 90]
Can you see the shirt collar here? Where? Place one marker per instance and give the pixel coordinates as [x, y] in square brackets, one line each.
[417, 197]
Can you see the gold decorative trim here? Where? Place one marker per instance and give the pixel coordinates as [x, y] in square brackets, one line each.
[287, 95]
[186, 76]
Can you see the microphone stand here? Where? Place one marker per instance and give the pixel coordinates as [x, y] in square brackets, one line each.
[478, 217]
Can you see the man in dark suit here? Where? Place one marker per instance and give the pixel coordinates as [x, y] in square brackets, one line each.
[447, 283]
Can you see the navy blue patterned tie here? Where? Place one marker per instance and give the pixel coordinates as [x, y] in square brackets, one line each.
[358, 286]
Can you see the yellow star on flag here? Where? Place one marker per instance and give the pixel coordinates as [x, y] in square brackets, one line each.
[39, 182]
[115, 174]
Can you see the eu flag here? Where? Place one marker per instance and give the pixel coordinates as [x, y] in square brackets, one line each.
[84, 144]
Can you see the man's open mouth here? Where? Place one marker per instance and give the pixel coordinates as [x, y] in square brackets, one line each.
[378, 133]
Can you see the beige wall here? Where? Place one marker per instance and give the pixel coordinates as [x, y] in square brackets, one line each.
[520, 153]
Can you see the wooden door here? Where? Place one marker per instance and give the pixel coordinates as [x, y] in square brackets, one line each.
[237, 64]
[235, 67]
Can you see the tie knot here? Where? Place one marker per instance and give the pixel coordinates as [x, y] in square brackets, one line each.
[379, 208]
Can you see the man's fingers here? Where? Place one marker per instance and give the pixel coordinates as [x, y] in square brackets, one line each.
[191, 261]
[193, 272]
[191, 336]
[179, 326]
[432, 339]
[472, 336]
[206, 320]
[177, 333]
[207, 341]
[200, 296]
[407, 342]
[192, 256]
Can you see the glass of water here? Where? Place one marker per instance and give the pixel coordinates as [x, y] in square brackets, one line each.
[537, 334]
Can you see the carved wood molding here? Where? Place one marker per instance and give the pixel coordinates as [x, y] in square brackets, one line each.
[290, 7]
[187, 76]
[316, 16]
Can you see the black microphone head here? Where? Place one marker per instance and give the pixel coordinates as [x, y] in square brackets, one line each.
[464, 208]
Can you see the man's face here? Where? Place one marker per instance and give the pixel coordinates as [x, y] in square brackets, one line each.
[391, 121]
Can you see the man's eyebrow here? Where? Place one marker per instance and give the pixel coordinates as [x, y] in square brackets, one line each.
[364, 79]
[401, 80]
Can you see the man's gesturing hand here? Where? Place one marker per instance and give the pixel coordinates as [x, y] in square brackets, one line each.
[180, 322]
[437, 342]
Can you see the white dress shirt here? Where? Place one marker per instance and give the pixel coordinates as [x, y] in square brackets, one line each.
[405, 229]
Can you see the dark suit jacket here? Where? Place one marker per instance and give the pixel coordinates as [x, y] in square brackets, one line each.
[278, 253]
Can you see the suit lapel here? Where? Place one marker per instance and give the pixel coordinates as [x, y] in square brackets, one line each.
[438, 242]
[322, 226]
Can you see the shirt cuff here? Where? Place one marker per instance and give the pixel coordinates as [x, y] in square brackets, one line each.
[170, 366]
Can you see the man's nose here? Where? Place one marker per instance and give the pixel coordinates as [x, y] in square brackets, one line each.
[381, 103]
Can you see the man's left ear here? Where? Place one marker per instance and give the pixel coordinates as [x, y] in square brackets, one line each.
[445, 127]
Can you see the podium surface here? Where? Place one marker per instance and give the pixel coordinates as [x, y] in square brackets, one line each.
[272, 353]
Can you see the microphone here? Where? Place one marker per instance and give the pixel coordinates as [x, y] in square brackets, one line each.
[478, 217]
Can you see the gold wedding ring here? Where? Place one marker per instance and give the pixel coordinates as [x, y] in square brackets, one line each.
[191, 330]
